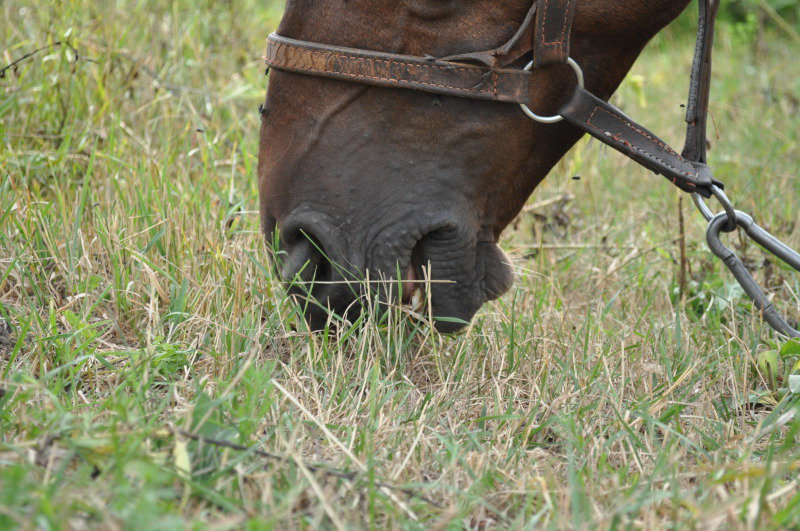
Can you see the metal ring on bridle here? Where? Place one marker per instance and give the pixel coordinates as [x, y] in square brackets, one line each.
[552, 119]
[717, 192]
[726, 204]
[702, 206]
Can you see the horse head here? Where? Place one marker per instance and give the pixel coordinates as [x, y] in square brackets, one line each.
[402, 184]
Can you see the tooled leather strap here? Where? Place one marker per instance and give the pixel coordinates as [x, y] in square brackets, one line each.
[551, 36]
[398, 71]
[611, 126]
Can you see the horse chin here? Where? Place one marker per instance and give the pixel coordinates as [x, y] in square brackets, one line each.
[499, 275]
[462, 276]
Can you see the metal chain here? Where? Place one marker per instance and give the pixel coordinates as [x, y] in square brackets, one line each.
[730, 220]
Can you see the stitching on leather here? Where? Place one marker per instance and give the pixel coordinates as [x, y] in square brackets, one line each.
[388, 63]
[567, 16]
[543, 40]
[618, 138]
[560, 41]
[643, 133]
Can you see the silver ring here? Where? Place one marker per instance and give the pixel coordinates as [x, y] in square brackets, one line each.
[732, 225]
[717, 192]
[552, 119]
[702, 206]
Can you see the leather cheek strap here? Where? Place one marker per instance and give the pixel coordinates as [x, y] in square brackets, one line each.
[699, 88]
[551, 36]
[611, 126]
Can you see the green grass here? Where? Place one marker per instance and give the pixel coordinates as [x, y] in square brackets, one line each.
[140, 319]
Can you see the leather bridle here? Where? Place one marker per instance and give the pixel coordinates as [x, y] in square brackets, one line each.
[545, 34]
[545, 37]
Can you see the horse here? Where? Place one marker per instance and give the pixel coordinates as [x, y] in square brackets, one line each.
[376, 181]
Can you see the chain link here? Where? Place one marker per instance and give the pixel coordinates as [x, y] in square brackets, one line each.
[730, 220]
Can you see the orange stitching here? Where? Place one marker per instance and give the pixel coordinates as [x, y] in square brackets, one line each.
[567, 16]
[543, 40]
[544, 19]
[560, 41]
[658, 142]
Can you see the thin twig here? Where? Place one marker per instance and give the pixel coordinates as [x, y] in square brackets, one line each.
[574, 246]
[138, 65]
[683, 271]
[173, 88]
[339, 474]
[780, 21]
[561, 198]
[36, 52]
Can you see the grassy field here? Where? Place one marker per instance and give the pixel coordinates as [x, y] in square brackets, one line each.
[153, 374]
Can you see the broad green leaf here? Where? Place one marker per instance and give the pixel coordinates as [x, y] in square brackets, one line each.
[790, 349]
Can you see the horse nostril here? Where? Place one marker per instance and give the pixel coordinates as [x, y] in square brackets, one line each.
[304, 260]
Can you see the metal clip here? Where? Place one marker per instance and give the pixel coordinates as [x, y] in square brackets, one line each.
[720, 223]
